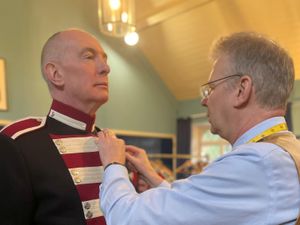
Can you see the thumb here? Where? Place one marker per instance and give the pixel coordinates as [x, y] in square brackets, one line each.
[130, 157]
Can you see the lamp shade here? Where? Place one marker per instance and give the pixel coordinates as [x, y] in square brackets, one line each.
[116, 17]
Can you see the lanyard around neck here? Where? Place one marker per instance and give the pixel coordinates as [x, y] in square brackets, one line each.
[268, 132]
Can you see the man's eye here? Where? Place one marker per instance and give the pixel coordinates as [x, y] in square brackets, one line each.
[88, 56]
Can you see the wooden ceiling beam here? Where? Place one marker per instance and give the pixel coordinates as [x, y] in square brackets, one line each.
[168, 11]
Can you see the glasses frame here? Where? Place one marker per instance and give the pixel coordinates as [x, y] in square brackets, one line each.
[206, 89]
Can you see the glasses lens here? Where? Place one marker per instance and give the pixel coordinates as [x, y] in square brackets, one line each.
[205, 90]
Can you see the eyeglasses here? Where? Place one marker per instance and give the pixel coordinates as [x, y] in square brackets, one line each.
[207, 88]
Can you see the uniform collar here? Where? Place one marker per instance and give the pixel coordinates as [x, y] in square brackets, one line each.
[71, 116]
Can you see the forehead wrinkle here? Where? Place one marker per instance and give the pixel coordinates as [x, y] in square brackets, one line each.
[93, 50]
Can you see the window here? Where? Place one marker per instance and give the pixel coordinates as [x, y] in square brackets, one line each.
[206, 146]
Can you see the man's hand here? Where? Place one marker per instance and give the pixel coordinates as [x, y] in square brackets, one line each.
[138, 159]
[111, 148]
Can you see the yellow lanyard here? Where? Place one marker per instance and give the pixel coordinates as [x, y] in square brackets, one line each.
[268, 132]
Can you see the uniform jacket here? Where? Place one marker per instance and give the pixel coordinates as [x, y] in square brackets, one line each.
[51, 170]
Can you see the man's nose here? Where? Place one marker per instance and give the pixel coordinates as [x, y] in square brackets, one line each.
[204, 101]
[103, 68]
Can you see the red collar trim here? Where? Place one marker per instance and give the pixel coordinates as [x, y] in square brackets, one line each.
[71, 116]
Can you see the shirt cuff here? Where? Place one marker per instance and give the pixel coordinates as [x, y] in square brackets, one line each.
[115, 170]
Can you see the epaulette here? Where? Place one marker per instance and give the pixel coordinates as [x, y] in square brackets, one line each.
[23, 126]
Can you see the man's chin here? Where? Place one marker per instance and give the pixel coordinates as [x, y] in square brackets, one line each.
[101, 99]
[212, 130]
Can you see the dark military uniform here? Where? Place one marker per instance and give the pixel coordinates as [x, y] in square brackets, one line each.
[51, 170]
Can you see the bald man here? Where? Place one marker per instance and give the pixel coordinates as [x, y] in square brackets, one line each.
[50, 166]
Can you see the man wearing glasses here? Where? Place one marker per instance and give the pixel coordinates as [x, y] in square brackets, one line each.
[254, 184]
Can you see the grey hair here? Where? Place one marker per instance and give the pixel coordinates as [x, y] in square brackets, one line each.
[269, 65]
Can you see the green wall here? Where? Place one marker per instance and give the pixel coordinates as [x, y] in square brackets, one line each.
[190, 107]
[139, 101]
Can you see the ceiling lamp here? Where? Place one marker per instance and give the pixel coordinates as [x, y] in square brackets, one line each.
[116, 17]
[131, 38]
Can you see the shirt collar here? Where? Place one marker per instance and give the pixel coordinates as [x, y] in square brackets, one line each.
[71, 116]
[257, 129]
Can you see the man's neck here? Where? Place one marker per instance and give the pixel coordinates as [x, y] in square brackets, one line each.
[249, 119]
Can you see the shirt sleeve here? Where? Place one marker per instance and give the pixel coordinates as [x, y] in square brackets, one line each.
[237, 189]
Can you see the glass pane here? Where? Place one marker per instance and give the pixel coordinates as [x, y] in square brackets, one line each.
[227, 148]
[208, 136]
[210, 153]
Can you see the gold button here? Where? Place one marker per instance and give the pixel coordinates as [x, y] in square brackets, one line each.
[77, 180]
[57, 141]
[74, 172]
[87, 205]
[62, 149]
[89, 214]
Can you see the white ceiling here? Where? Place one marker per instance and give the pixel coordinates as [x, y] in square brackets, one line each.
[176, 35]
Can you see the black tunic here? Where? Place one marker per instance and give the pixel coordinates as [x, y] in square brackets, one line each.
[37, 187]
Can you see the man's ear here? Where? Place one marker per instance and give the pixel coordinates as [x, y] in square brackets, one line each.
[244, 91]
[53, 74]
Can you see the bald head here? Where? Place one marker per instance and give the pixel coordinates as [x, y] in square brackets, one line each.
[55, 47]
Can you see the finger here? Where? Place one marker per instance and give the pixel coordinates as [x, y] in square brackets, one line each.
[133, 149]
[99, 137]
[130, 166]
[129, 157]
[132, 159]
[105, 132]
[109, 133]
[128, 151]
[100, 134]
